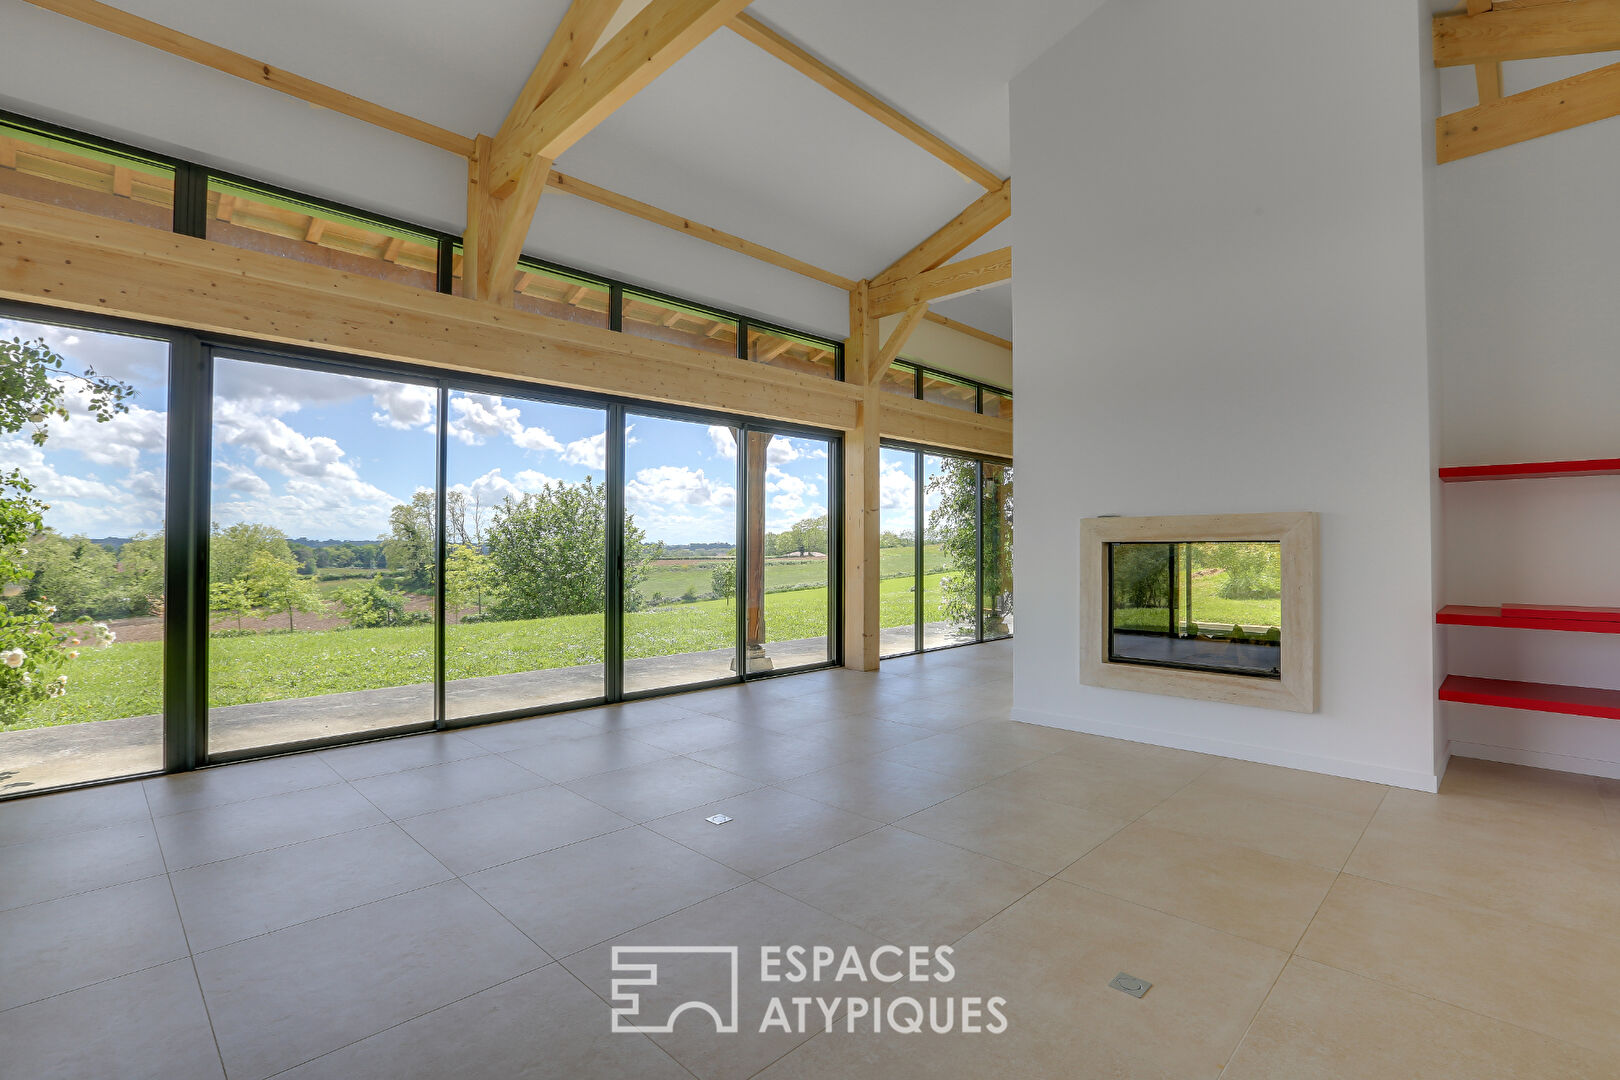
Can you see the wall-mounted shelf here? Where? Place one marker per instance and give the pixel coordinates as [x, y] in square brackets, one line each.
[1531, 470]
[1534, 697]
[1581, 620]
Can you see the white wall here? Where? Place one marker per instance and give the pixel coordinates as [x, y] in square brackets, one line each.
[1529, 327]
[938, 346]
[1222, 308]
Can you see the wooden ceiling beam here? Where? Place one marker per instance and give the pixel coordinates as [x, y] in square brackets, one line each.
[658, 36]
[942, 283]
[175, 43]
[752, 30]
[986, 212]
[576, 38]
[1492, 36]
[971, 331]
[1559, 106]
[896, 341]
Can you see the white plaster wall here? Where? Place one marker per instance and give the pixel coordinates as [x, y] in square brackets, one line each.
[1529, 326]
[1221, 274]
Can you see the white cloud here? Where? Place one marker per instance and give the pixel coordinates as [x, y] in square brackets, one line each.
[240, 478]
[480, 416]
[781, 451]
[86, 504]
[590, 451]
[404, 406]
[119, 441]
[676, 485]
[899, 490]
[532, 480]
[724, 440]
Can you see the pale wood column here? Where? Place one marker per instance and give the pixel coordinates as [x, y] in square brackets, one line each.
[863, 495]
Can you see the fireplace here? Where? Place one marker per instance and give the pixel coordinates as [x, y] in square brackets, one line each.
[1221, 607]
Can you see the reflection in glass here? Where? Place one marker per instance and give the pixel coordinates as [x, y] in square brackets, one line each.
[680, 553]
[897, 552]
[899, 378]
[801, 354]
[81, 687]
[998, 404]
[952, 392]
[680, 324]
[525, 554]
[997, 551]
[561, 296]
[62, 172]
[322, 563]
[1212, 606]
[787, 562]
[950, 553]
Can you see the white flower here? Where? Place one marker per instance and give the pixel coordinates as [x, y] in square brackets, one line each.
[27, 679]
[13, 658]
[22, 551]
[73, 654]
[103, 627]
[62, 679]
[50, 609]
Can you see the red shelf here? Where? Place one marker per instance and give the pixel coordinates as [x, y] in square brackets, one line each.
[1535, 697]
[1531, 470]
[1527, 617]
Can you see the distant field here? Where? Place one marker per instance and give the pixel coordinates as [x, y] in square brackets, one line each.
[1208, 606]
[126, 679]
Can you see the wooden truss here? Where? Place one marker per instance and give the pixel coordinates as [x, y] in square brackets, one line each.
[1487, 34]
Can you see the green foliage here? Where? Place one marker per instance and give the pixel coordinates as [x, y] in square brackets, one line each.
[277, 588]
[231, 550]
[1141, 574]
[951, 524]
[370, 605]
[549, 551]
[73, 574]
[140, 564]
[1253, 570]
[723, 580]
[230, 599]
[409, 543]
[470, 580]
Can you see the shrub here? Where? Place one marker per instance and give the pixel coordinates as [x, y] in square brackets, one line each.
[371, 605]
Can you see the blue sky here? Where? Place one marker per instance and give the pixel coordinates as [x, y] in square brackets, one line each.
[327, 456]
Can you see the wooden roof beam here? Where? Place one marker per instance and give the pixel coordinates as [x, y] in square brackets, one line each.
[896, 341]
[576, 37]
[942, 283]
[1559, 106]
[971, 331]
[658, 36]
[987, 211]
[1492, 36]
[806, 63]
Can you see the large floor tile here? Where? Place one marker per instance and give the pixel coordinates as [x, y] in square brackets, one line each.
[284, 998]
[241, 828]
[1071, 781]
[395, 755]
[513, 735]
[906, 888]
[587, 892]
[1291, 785]
[86, 938]
[453, 783]
[1571, 794]
[769, 829]
[37, 870]
[1014, 827]
[685, 734]
[964, 757]
[41, 816]
[149, 1025]
[562, 759]
[657, 788]
[238, 782]
[1554, 981]
[748, 919]
[1242, 891]
[222, 902]
[876, 788]
[1327, 1024]
[544, 1025]
[771, 757]
[484, 834]
[864, 734]
[1290, 830]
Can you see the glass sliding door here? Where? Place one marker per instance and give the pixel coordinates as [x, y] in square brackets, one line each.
[81, 555]
[996, 551]
[323, 558]
[525, 555]
[950, 551]
[680, 565]
[897, 552]
[787, 552]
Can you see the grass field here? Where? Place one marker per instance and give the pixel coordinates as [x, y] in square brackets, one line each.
[1208, 606]
[126, 679]
[672, 577]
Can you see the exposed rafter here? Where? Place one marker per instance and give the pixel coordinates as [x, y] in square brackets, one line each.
[806, 63]
[660, 34]
[987, 211]
[1492, 36]
[896, 341]
[576, 37]
[187, 47]
[944, 282]
[1559, 106]
[971, 331]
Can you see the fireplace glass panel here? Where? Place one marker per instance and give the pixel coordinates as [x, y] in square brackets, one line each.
[1201, 605]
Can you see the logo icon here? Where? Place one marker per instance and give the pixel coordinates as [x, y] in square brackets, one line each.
[626, 998]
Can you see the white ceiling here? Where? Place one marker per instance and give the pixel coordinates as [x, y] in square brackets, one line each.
[729, 136]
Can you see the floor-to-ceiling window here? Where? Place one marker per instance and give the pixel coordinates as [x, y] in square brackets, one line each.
[83, 449]
[956, 586]
[525, 559]
[790, 549]
[322, 556]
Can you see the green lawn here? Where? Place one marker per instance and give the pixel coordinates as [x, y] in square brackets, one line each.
[1208, 606]
[672, 579]
[126, 679]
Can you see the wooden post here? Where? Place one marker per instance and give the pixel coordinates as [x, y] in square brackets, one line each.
[862, 492]
[754, 561]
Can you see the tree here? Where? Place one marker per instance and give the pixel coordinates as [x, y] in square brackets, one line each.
[723, 579]
[34, 386]
[371, 605]
[140, 568]
[231, 550]
[74, 575]
[952, 524]
[230, 599]
[409, 543]
[469, 579]
[1253, 569]
[549, 552]
[305, 556]
[276, 587]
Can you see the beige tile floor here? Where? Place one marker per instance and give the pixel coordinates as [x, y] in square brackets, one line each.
[447, 905]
